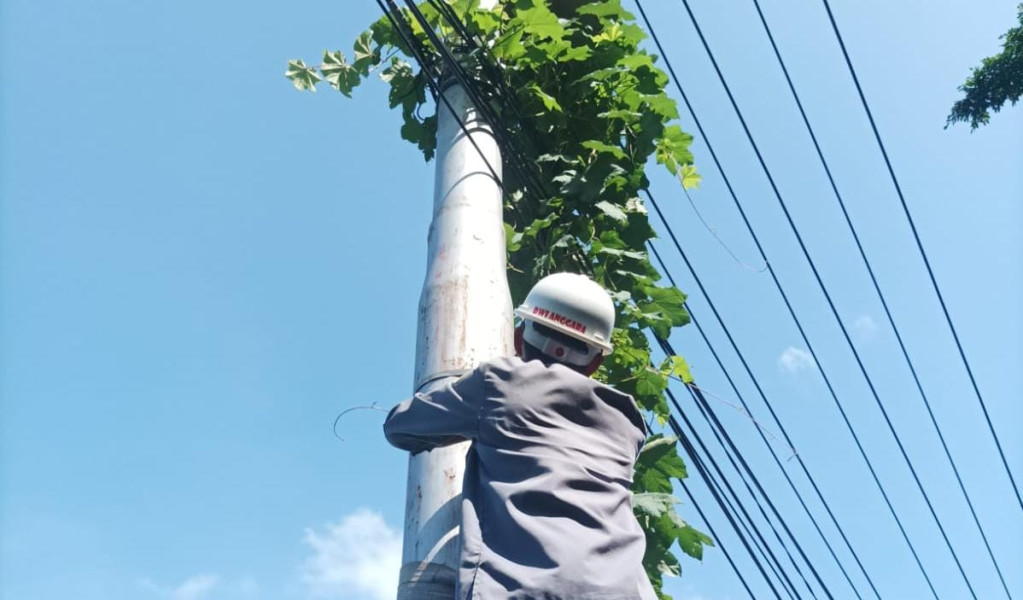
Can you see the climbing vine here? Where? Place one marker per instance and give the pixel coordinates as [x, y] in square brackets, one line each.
[588, 109]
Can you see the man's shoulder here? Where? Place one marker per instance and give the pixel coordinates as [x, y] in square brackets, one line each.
[513, 367]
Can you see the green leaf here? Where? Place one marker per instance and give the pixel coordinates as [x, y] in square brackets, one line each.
[549, 102]
[637, 61]
[692, 541]
[403, 82]
[302, 77]
[672, 149]
[669, 565]
[609, 34]
[604, 147]
[365, 55]
[689, 177]
[512, 239]
[605, 9]
[509, 47]
[675, 366]
[539, 22]
[664, 310]
[612, 211]
[650, 383]
[662, 105]
[423, 133]
[658, 464]
[629, 116]
[653, 504]
[342, 76]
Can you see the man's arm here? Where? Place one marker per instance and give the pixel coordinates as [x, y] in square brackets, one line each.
[444, 416]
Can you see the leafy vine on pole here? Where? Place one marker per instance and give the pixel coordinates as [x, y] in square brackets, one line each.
[587, 109]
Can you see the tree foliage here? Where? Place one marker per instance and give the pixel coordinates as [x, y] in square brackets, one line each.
[998, 79]
[590, 113]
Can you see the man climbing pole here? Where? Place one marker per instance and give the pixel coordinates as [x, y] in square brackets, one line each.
[546, 501]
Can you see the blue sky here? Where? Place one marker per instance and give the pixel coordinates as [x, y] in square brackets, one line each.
[200, 267]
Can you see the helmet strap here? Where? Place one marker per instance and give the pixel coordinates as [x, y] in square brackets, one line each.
[591, 368]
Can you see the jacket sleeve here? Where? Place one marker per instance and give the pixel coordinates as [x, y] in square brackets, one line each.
[444, 416]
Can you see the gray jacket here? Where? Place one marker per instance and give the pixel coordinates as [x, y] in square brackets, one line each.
[546, 507]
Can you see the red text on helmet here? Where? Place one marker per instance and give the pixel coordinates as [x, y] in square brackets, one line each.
[550, 315]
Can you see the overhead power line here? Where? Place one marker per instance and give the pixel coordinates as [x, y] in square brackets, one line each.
[694, 460]
[763, 437]
[774, 416]
[923, 254]
[772, 558]
[792, 313]
[834, 311]
[877, 288]
[717, 539]
[733, 453]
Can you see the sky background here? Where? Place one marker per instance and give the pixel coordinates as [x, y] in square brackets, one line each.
[200, 267]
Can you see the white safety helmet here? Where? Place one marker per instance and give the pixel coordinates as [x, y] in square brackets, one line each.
[572, 305]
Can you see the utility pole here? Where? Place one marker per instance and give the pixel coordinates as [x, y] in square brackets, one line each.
[465, 317]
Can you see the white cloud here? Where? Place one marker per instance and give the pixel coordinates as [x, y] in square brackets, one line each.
[193, 588]
[865, 327]
[794, 359]
[356, 559]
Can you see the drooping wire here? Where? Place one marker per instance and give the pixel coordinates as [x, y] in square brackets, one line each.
[827, 297]
[404, 30]
[479, 101]
[746, 474]
[713, 232]
[778, 462]
[352, 409]
[695, 460]
[923, 254]
[877, 288]
[743, 476]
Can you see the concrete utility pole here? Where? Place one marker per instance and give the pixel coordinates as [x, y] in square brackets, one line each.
[465, 317]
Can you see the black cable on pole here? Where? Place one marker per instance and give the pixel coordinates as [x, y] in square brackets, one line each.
[480, 103]
[923, 254]
[437, 91]
[701, 469]
[717, 539]
[827, 297]
[530, 179]
[494, 72]
[877, 288]
[774, 454]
